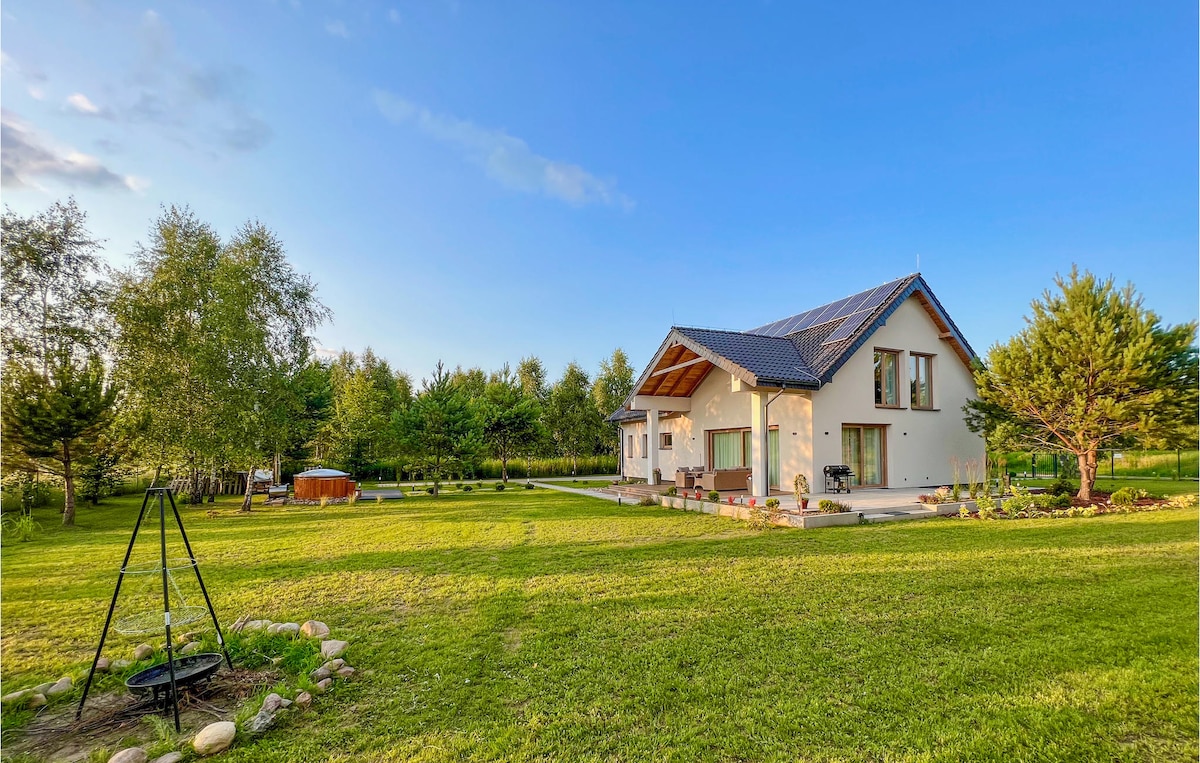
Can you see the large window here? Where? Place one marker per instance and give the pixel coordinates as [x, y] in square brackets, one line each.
[731, 449]
[920, 380]
[864, 450]
[887, 382]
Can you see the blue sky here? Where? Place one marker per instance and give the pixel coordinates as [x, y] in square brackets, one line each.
[475, 182]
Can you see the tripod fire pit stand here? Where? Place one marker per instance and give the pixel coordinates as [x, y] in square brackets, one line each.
[179, 672]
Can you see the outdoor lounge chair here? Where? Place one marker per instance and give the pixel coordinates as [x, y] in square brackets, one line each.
[723, 479]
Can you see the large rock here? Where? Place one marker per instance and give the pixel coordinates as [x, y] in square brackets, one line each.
[257, 625]
[334, 665]
[303, 700]
[129, 755]
[214, 738]
[289, 630]
[333, 648]
[142, 652]
[320, 674]
[61, 687]
[102, 665]
[191, 646]
[345, 671]
[43, 688]
[170, 757]
[120, 664]
[323, 685]
[37, 699]
[314, 629]
[260, 722]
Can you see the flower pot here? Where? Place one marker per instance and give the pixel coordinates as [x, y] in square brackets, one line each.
[804, 504]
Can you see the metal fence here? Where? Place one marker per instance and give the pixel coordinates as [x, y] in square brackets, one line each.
[1123, 464]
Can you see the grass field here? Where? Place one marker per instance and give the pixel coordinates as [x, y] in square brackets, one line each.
[1155, 487]
[535, 625]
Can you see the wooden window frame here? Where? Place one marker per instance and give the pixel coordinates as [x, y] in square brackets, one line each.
[665, 441]
[917, 356]
[887, 351]
[708, 439]
[883, 455]
[629, 450]
[645, 445]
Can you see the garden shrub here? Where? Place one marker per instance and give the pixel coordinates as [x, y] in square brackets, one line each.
[672, 491]
[1021, 500]
[964, 512]
[529, 486]
[988, 513]
[1126, 496]
[1185, 501]
[430, 490]
[499, 486]
[458, 486]
[20, 528]
[1062, 487]
[828, 506]
[772, 503]
[930, 498]
[467, 488]
[1048, 501]
[714, 496]
[648, 501]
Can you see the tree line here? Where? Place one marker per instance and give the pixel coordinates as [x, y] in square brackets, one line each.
[198, 360]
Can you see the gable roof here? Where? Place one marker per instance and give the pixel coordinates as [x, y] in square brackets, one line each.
[802, 351]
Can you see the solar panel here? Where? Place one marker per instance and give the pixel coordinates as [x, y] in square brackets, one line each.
[865, 302]
[852, 324]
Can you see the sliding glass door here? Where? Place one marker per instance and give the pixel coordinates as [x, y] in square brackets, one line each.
[864, 450]
[731, 449]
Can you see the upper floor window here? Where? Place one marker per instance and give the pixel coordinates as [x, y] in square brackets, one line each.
[887, 378]
[920, 380]
[664, 440]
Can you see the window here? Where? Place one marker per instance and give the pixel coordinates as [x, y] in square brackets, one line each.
[645, 437]
[887, 371]
[920, 380]
[664, 440]
[732, 448]
[629, 450]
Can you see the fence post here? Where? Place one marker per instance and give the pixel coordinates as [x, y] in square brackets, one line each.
[1055, 466]
[1033, 464]
[1112, 464]
[1178, 467]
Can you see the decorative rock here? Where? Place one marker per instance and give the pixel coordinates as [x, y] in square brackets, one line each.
[142, 652]
[291, 630]
[129, 755]
[183, 638]
[320, 674]
[345, 672]
[63, 686]
[214, 738]
[260, 722]
[303, 700]
[314, 629]
[170, 757]
[37, 699]
[323, 685]
[16, 697]
[334, 665]
[333, 648]
[272, 702]
[257, 625]
[102, 665]
[43, 688]
[120, 664]
[285, 702]
[189, 647]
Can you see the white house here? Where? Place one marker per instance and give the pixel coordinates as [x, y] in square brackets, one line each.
[876, 381]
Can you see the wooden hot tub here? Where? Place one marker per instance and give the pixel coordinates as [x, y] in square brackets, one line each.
[316, 484]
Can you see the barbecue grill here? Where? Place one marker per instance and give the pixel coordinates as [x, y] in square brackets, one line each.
[837, 478]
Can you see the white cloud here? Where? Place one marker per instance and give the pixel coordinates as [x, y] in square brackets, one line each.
[26, 156]
[337, 29]
[81, 103]
[505, 158]
[394, 16]
[36, 93]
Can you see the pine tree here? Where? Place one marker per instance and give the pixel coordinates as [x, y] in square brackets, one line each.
[438, 430]
[56, 416]
[1092, 369]
[509, 419]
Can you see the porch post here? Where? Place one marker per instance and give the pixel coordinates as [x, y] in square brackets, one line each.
[758, 443]
[651, 445]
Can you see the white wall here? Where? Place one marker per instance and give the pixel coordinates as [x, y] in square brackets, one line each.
[716, 406]
[919, 443]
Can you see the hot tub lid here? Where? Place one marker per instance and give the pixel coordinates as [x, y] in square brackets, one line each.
[323, 473]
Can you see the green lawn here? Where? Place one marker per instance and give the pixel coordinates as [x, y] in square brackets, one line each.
[536, 625]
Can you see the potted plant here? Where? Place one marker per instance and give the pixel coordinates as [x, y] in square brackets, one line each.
[801, 487]
[658, 476]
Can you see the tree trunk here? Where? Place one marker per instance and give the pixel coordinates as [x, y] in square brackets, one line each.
[69, 489]
[277, 469]
[1087, 474]
[574, 464]
[504, 469]
[157, 474]
[249, 489]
